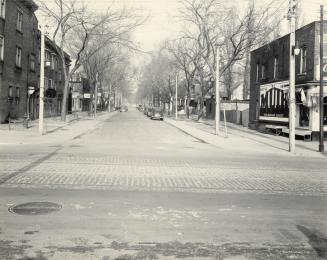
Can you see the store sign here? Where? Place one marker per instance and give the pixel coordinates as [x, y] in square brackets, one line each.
[274, 101]
[87, 95]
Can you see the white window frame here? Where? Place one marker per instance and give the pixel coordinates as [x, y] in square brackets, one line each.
[18, 57]
[2, 47]
[3, 9]
[19, 21]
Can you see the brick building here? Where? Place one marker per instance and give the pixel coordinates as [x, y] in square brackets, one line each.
[20, 63]
[269, 80]
[18, 43]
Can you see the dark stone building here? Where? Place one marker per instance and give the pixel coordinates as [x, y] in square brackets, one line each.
[269, 80]
[20, 64]
[18, 41]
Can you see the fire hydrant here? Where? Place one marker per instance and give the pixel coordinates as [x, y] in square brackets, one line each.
[25, 122]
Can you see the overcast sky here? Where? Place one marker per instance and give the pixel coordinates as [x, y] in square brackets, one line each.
[163, 21]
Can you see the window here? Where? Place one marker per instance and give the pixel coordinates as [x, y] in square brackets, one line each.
[1, 47]
[52, 62]
[47, 56]
[32, 62]
[50, 83]
[2, 8]
[19, 24]
[59, 75]
[257, 75]
[263, 71]
[276, 67]
[10, 95]
[303, 61]
[45, 82]
[18, 57]
[17, 94]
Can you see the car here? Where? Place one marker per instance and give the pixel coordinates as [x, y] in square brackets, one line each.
[149, 111]
[156, 113]
[123, 109]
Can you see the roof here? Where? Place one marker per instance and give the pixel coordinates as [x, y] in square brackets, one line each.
[287, 35]
[30, 4]
[51, 44]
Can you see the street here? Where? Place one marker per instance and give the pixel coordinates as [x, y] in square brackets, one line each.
[135, 188]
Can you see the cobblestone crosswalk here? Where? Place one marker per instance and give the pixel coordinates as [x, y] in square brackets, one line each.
[131, 173]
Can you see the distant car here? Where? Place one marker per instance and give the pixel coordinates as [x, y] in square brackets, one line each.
[123, 109]
[156, 113]
[149, 111]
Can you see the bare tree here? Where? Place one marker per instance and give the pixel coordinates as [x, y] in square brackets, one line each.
[83, 34]
[185, 57]
[211, 23]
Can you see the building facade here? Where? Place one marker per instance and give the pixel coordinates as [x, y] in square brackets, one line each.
[20, 64]
[18, 43]
[269, 80]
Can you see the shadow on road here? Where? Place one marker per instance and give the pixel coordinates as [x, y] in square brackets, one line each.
[317, 240]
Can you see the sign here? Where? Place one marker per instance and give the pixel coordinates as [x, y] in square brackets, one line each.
[87, 95]
[274, 101]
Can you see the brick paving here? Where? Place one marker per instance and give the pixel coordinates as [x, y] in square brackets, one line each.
[128, 173]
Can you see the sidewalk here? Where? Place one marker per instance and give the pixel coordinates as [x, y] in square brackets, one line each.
[54, 129]
[242, 139]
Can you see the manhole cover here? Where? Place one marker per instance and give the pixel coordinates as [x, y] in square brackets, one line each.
[35, 208]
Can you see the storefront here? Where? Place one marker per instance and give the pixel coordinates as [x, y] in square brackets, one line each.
[274, 105]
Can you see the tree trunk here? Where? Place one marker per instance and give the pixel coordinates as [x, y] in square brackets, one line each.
[246, 79]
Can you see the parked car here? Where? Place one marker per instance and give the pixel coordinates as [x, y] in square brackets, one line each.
[149, 111]
[123, 109]
[156, 113]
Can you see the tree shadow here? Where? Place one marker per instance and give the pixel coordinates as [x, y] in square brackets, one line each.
[316, 239]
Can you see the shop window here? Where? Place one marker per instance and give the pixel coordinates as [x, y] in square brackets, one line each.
[3, 8]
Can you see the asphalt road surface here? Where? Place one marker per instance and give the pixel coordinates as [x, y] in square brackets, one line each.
[136, 188]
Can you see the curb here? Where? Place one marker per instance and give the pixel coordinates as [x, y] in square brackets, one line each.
[44, 139]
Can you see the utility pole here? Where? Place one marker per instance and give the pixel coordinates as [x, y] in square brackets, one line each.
[41, 94]
[176, 96]
[321, 92]
[109, 101]
[217, 118]
[292, 107]
[96, 94]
